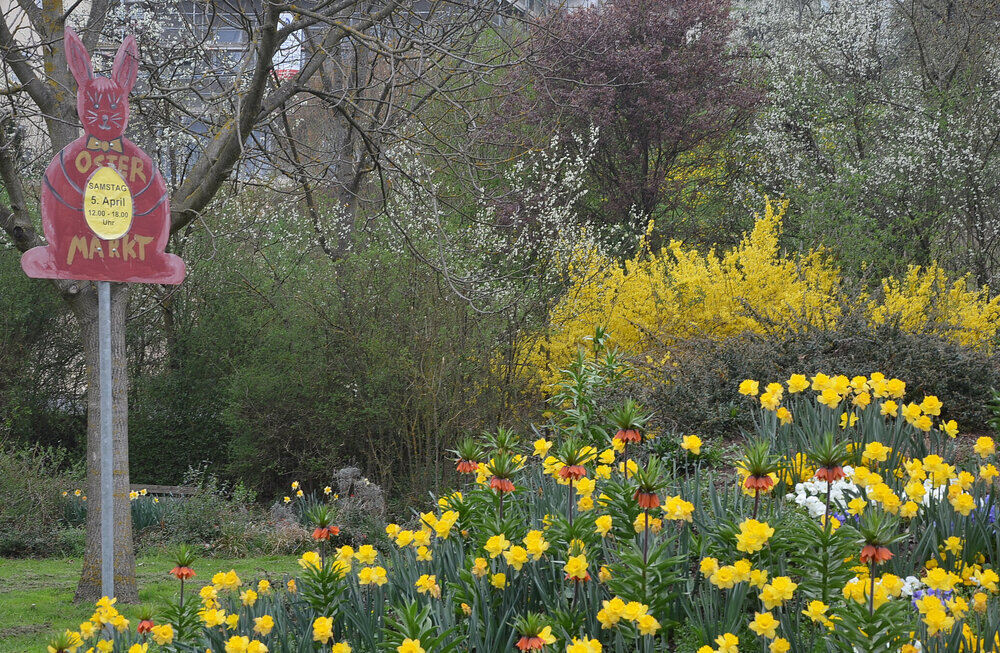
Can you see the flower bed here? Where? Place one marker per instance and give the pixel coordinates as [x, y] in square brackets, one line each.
[848, 523]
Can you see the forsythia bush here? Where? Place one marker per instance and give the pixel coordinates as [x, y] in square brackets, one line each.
[847, 524]
[927, 300]
[657, 298]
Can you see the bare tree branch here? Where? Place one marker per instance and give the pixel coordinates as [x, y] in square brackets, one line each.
[13, 56]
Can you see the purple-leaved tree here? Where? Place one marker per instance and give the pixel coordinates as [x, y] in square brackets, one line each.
[659, 78]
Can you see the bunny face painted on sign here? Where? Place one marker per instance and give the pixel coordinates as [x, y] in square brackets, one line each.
[105, 211]
[102, 102]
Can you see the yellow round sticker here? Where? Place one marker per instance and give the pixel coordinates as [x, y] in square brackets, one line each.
[107, 204]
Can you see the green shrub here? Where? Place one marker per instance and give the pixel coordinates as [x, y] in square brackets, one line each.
[695, 393]
[68, 543]
[200, 518]
[32, 480]
[223, 520]
[40, 366]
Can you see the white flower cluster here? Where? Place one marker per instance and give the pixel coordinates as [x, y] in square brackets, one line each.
[911, 584]
[811, 494]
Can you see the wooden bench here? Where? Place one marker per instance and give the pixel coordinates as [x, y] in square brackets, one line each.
[165, 490]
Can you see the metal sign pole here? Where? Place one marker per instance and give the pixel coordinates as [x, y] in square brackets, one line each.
[107, 442]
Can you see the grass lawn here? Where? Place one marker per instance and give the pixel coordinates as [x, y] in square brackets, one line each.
[36, 596]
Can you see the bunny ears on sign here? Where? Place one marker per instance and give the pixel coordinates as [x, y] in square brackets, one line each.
[124, 71]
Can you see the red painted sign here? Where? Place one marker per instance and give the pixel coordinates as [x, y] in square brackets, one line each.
[105, 211]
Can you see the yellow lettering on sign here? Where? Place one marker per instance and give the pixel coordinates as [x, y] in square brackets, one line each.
[129, 166]
[78, 244]
[136, 169]
[129, 249]
[107, 204]
[143, 241]
[83, 161]
[95, 248]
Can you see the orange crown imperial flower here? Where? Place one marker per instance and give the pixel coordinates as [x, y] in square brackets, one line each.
[467, 456]
[877, 554]
[501, 484]
[573, 472]
[325, 533]
[467, 467]
[628, 418]
[182, 573]
[628, 435]
[145, 626]
[533, 643]
[830, 474]
[647, 499]
[535, 635]
[764, 483]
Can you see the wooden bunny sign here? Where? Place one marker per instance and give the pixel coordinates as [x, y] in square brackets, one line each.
[105, 211]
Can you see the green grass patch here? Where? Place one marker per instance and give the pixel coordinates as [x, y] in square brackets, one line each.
[36, 596]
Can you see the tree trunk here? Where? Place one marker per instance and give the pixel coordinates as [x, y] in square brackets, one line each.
[85, 308]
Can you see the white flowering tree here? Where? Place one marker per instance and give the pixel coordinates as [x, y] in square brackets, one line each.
[882, 126]
[307, 102]
[515, 250]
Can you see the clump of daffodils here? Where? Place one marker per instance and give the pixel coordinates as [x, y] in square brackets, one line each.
[598, 525]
